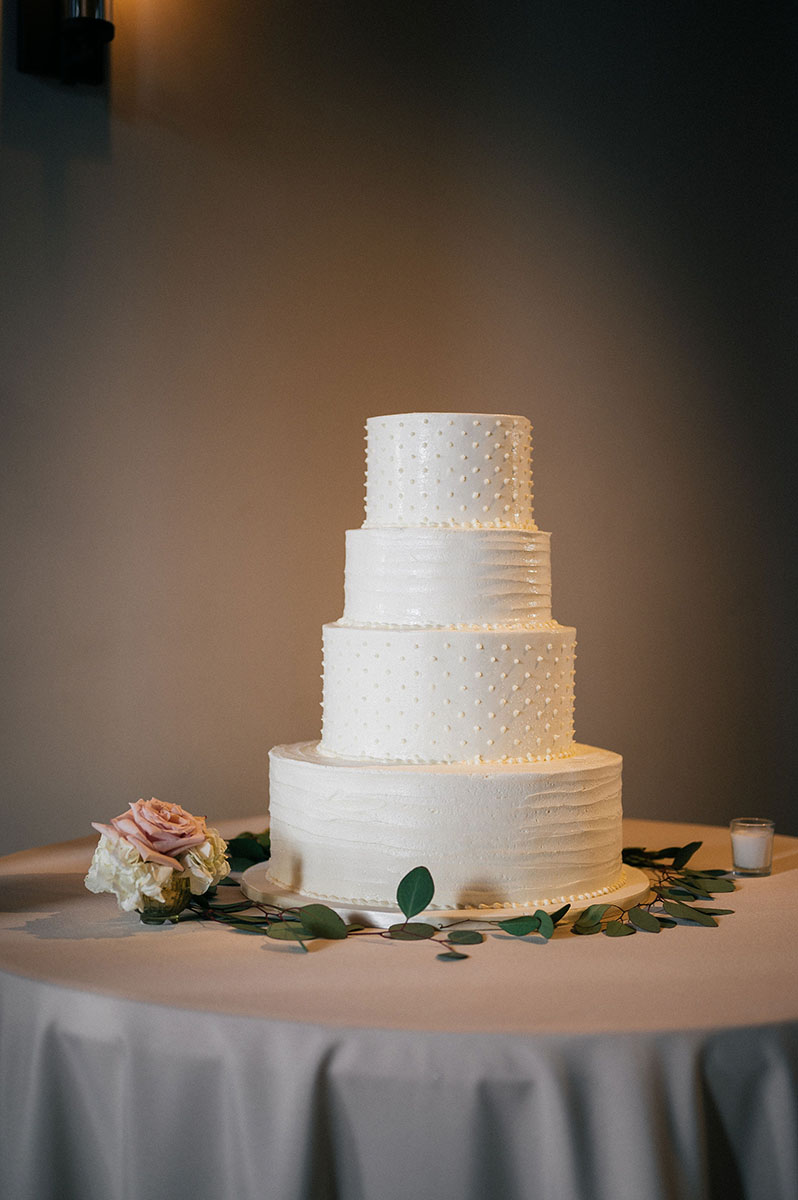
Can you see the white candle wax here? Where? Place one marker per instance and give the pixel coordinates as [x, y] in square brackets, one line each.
[751, 848]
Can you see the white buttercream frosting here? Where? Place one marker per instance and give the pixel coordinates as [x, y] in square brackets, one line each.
[489, 835]
[446, 577]
[448, 694]
[470, 469]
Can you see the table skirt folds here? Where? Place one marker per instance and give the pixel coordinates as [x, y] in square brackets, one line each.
[117, 1100]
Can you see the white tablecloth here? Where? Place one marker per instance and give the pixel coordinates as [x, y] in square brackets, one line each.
[140, 1062]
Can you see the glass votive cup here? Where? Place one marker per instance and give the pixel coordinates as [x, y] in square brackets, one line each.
[752, 845]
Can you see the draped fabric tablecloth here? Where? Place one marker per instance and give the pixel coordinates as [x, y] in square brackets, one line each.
[140, 1062]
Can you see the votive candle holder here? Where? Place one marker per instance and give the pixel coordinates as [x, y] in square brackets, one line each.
[752, 845]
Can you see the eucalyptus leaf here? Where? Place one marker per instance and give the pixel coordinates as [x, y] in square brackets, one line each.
[559, 914]
[545, 924]
[674, 893]
[231, 907]
[228, 882]
[715, 912]
[465, 937]
[720, 885]
[520, 926]
[667, 922]
[592, 914]
[283, 932]
[322, 921]
[413, 931]
[353, 927]
[586, 929]
[686, 912]
[639, 860]
[415, 891]
[641, 919]
[618, 929]
[683, 856]
[451, 956]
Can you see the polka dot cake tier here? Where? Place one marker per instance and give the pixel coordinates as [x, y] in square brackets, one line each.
[457, 469]
[448, 694]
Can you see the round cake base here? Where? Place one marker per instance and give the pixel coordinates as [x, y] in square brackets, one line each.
[255, 884]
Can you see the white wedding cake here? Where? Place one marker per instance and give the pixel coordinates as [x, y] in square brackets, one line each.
[447, 736]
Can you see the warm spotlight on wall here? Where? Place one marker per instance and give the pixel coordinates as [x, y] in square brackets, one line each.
[65, 39]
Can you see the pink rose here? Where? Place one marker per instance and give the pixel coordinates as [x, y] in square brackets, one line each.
[158, 830]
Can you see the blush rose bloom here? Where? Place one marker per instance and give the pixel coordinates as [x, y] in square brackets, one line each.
[159, 831]
[139, 851]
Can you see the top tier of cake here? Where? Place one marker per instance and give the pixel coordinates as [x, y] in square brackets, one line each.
[469, 470]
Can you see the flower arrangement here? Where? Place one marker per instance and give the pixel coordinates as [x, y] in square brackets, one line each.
[160, 860]
[155, 857]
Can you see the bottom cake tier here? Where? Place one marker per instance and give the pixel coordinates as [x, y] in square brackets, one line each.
[492, 835]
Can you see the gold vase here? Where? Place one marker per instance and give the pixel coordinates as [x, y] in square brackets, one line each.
[176, 895]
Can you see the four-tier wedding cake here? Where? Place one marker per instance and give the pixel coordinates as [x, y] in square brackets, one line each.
[448, 698]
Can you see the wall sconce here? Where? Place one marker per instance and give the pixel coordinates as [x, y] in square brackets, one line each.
[65, 39]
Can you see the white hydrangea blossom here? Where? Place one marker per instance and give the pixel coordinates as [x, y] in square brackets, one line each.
[118, 867]
[206, 864]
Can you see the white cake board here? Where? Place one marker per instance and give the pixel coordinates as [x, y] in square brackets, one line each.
[256, 884]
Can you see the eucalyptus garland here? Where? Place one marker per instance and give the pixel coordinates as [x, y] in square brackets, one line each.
[678, 895]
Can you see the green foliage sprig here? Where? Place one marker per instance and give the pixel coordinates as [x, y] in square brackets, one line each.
[247, 849]
[678, 895]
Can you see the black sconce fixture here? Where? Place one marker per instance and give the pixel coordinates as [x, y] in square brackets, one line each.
[65, 39]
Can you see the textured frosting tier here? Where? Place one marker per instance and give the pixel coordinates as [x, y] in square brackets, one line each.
[524, 835]
[451, 695]
[449, 469]
[447, 577]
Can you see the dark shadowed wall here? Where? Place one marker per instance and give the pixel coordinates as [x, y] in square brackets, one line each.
[286, 216]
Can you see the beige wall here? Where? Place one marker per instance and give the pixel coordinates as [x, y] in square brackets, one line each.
[291, 216]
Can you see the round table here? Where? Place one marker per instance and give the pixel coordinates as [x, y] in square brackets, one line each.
[160, 1061]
